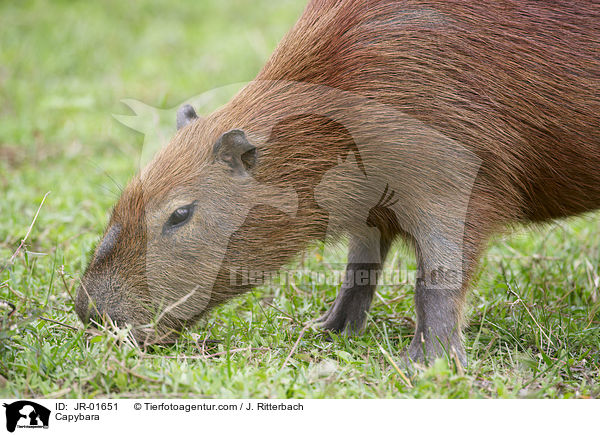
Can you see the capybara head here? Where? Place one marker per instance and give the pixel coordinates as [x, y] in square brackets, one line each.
[183, 231]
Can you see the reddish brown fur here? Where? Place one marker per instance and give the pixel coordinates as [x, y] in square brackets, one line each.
[513, 82]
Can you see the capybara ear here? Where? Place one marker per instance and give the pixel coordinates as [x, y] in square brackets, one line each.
[185, 115]
[234, 149]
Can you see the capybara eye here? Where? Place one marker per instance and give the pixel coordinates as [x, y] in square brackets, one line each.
[180, 216]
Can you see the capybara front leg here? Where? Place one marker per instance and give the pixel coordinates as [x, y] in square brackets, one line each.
[439, 313]
[348, 313]
[439, 300]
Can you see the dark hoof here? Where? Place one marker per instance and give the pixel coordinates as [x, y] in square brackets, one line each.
[338, 321]
[426, 352]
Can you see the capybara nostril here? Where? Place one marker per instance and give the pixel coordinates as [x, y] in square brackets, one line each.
[83, 306]
[97, 304]
[88, 312]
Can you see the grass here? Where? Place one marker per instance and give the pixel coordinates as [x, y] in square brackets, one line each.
[534, 326]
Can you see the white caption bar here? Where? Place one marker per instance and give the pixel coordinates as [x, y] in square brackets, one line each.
[150, 416]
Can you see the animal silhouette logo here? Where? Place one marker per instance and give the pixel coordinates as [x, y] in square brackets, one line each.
[26, 414]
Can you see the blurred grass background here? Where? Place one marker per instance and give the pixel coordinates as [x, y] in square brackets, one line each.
[64, 67]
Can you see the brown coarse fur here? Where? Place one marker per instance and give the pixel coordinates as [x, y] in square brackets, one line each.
[439, 122]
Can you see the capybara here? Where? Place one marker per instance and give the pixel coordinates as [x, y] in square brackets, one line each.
[438, 122]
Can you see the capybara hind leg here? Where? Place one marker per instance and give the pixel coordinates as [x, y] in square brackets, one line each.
[348, 313]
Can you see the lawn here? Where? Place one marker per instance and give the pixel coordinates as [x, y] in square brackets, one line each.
[534, 327]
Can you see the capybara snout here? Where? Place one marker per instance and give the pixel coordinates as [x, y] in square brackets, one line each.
[112, 288]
